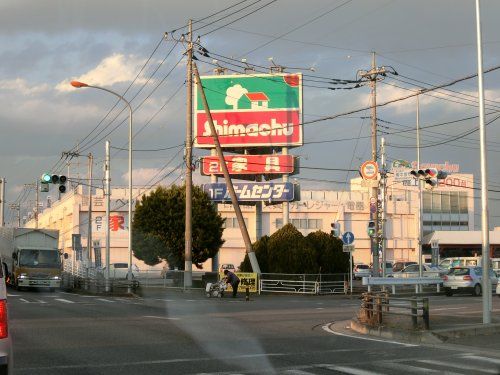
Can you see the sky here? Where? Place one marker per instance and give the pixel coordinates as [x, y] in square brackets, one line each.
[46, 44]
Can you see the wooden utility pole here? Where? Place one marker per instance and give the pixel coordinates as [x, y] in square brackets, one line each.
[89, 235]
[188, 232]
[227, 178]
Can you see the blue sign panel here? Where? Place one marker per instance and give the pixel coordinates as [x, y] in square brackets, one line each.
[252, 191]
[348, 238]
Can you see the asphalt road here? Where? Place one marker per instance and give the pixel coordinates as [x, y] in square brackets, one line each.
[169, 332]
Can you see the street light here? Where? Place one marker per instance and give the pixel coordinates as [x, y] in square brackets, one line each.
[78, 85]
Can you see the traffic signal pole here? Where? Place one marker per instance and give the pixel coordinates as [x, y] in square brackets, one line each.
[227, 177]
[420, 200]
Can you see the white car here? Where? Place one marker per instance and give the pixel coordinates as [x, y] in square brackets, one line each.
[6, 359]
[498, 287]
[412, 271]
[362, 270]
[466, 279]
[119, 271]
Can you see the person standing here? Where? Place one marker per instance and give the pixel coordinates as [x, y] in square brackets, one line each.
[232, 279]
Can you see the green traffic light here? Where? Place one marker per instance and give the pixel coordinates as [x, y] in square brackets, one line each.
[46, 177]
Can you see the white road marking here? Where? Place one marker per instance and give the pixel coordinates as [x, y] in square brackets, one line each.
[450, 308]
[12, 295]
[459, 366]
[160, 317]
[105, 300]
[320, 308]
[327, 328]
[64, 300]
[404, 368]
[482, 359]
[298, 372]
[25, 301]
[350, 370]
[165, 300]
[40, 301]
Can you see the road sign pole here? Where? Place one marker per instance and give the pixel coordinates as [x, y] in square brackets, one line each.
[350, 271]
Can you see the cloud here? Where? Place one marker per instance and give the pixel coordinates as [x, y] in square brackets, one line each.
[21, 86]
[113, 69]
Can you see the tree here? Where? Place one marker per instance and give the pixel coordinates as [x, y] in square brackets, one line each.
[329, 254]
[288, 251]
[159, 224]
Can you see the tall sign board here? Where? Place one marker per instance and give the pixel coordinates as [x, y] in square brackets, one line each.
[251, 110]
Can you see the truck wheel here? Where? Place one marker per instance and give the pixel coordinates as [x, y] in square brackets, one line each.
[477, 290]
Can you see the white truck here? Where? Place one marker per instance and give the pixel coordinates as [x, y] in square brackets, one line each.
[31, 258]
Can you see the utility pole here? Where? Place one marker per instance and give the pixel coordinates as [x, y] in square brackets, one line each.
[227, 178]
[37, 195]
[188, 231]
[107, 178]
[2, 201]
[372, 75]
[420, 200]
[383, 181]
[89, 235]
[485, 230]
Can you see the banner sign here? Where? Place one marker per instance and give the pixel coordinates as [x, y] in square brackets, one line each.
[252, 191]
[247, 280]
[249, 164]
[257, 110]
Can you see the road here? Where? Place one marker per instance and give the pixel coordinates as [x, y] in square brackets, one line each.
[185, 333]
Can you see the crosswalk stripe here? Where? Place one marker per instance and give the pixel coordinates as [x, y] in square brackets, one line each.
[457, 365]
[64, 300]
[350, 370]
[105, 300]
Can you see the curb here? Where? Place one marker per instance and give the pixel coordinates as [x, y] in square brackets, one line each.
[467, 331]
[413, 337]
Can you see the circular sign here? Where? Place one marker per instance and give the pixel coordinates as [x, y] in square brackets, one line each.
[369, 170]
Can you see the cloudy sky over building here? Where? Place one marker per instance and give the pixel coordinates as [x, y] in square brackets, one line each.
[46, 44]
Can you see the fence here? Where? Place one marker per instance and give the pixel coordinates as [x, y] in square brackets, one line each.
[303, 283]
[375, 306]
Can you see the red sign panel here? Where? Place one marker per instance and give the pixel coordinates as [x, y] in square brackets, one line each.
[249, 164]
[256, 128]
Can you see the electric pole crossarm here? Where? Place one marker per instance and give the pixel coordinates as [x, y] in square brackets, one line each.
[227, 178]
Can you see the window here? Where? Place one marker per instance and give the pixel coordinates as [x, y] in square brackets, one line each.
[412, 268]
[463, 202]
[302, 223]
[445, 202]
[232, 222]
[454, 202]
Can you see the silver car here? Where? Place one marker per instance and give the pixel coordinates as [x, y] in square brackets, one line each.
[412, 271]
[466, 279]
[362, 270]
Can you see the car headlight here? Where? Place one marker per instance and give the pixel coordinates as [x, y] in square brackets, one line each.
[22, 276]
[55, 277]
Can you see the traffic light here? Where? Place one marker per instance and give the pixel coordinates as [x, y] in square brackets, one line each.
[431, 176]
[47, 179]
[371, 228]
[335, 229]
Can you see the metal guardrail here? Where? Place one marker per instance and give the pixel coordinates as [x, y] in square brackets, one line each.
[375, 305]
[391, 281]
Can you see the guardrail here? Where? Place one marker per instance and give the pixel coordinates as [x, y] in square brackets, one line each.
[391, 281]
[313, 284]
[375, 305]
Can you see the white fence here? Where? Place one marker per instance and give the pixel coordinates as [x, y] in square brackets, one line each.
[303, 283]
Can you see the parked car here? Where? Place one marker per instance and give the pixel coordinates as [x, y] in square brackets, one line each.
[388, 269]
[120, 271]
[448, 263]
[466, 279]
[498, 288]
[398, 266]
[6, 359]
[413, 270]
[361, 270]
